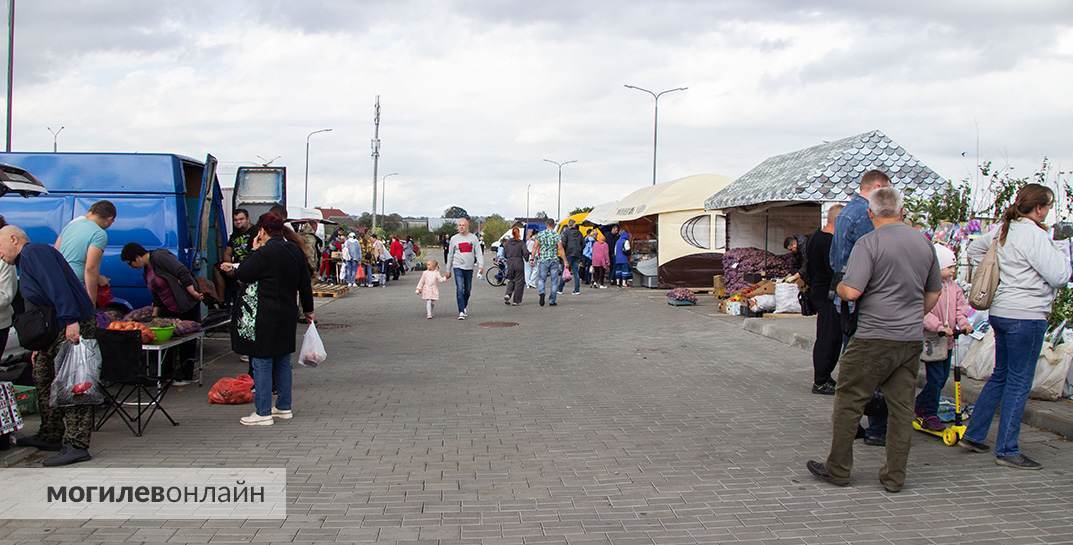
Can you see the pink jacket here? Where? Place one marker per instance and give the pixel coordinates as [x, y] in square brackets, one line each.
[600, 257]
[951, 310]
[429, 285]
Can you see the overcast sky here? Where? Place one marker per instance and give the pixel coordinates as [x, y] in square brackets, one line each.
[475, 93]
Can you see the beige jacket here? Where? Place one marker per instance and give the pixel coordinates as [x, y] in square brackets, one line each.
[9, 285]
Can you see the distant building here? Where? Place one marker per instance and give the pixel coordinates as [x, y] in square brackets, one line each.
[435, 223]
[414, 223]
[332, 213]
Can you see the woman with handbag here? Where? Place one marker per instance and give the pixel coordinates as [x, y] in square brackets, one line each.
[950, 313]
[1031, 269]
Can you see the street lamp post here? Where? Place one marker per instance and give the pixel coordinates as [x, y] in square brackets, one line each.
[655, 122]
[10, 65]
[55, 134]
[305, 201]
[527, 188]
[383, 194]
[559, 205]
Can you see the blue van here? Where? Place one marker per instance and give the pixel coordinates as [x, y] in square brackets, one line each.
[162, 201]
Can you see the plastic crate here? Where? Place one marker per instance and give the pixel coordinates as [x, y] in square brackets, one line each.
[26, 399]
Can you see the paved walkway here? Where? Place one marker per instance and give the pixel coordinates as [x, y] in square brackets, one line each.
[612, 419]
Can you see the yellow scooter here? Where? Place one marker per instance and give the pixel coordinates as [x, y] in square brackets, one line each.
[952, 434]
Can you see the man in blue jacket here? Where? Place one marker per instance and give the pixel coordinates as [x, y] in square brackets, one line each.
[45, 280]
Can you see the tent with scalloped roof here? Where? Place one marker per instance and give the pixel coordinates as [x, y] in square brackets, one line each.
[790, 193]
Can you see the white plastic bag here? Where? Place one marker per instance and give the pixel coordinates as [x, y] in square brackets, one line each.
[980, 360]
[786, 301]
[77, 375]
[1051, 371]
[762, 303]
[312, 353]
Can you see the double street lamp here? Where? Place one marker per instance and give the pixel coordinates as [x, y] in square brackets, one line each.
[305, 201]
[655, 123]
[559, 205]
[55, 134]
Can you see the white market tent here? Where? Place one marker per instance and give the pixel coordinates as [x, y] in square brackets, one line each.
[674, 238]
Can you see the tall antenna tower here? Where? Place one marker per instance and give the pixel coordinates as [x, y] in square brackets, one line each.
[376, 153]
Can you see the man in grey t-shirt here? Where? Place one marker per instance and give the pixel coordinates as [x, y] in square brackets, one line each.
[893, 275]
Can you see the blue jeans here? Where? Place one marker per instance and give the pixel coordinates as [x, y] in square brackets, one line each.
[1017, 347]
[548, 275]
[272, 374]
[574, 262]
[463, 287]
[350, 269]
[927, 403]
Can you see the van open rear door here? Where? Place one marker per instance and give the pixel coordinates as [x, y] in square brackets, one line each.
[205, 205]
[259, 188]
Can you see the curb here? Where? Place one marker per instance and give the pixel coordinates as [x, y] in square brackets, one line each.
[1038, 413]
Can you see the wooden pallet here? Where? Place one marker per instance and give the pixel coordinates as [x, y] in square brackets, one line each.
[329, 290]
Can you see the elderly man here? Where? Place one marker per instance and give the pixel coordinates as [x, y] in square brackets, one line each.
[47, 281]
[893, 275]
[463, 254]
[828, 329]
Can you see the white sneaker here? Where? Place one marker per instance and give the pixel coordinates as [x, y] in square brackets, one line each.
[282, 415]
[461, 315]
[244, 359]
[255, 419]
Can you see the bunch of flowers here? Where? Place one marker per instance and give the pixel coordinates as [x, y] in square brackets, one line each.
[682, 294]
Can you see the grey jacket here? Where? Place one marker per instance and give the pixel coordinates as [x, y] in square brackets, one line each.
[9, 286]
[1031, 269]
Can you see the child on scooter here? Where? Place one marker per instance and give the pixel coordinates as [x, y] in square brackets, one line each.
[948, 315]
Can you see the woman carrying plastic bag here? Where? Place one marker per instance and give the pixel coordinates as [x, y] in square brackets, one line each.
[312, 353]
[265, 321]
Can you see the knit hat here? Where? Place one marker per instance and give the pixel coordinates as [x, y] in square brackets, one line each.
[945, 256]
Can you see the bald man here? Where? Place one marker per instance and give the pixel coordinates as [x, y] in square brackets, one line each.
[47, 281]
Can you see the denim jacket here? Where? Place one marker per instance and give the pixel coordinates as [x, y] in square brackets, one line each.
[852, 224]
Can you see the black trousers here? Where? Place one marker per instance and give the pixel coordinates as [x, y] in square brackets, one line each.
[828, 341]
[515, 280]
[599, 275]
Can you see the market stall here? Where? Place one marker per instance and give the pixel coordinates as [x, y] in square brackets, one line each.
[790, 194]
[674, 241]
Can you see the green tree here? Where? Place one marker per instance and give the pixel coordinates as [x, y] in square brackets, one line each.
[494, 227]
[949, 204]
[541, 215]
[392, 223]
[580, 210]
[455, 212]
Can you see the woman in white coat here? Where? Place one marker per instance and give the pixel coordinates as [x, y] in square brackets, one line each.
[1032, 267]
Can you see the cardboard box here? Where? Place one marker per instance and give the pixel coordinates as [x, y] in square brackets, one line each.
[719, 286]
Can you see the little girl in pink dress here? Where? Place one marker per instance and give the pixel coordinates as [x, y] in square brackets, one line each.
[429, 286]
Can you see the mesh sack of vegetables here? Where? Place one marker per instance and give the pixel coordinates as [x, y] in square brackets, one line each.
[235, 390]
[738, 262]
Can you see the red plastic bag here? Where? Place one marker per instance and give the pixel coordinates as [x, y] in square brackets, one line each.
[104, 296]
[236, 390]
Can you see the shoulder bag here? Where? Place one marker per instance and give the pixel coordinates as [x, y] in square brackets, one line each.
[985, 279]
[36, 326]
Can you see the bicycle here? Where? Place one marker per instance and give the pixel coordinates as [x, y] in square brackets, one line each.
[496, 275]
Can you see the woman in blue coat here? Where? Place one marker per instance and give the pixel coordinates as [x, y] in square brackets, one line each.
[622, 274]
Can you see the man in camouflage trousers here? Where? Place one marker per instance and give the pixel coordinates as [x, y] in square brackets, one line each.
[61, 426]
[46, 281]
